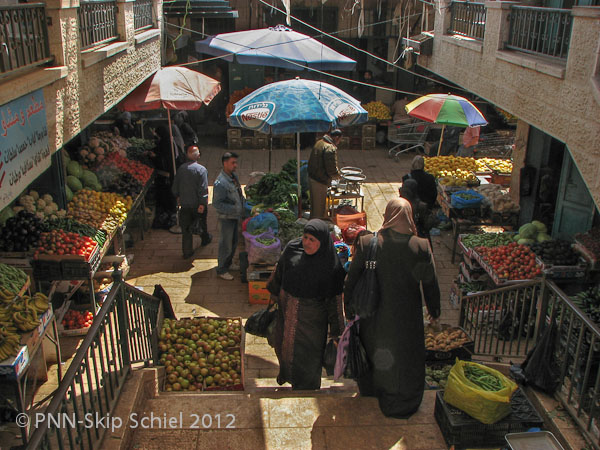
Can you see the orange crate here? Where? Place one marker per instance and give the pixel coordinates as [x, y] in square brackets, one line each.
[257, 293]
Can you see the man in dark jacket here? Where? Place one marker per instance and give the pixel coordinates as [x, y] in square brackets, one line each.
[191, 189]
[322, 168]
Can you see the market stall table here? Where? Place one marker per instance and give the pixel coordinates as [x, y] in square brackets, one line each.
[334, 196]
[18, 370]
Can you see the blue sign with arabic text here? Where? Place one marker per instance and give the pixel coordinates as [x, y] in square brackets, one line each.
[24, 150]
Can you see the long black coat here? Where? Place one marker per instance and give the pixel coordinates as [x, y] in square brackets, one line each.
[394, 337]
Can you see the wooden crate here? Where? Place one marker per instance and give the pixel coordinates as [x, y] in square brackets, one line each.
[257, 293]
[369, 130]
[355, 143]
[234, 133]
[259, 142]
[234, 143]
[247, 142]
[368, 143]
[287, 142]
[344, 143]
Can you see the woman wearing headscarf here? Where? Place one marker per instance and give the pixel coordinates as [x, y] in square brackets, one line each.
[307, 286]
[394, 336]
[427, 189]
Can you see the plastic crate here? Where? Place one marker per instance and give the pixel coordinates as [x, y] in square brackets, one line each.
[234, 133]
[258, 293]
[47, 270]
[462, 431]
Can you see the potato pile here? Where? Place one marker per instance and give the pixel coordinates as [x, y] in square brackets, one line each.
[446, 340]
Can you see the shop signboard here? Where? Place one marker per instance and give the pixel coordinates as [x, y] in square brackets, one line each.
[24, 150]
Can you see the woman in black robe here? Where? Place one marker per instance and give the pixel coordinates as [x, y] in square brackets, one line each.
[307, 286]
[393, 337]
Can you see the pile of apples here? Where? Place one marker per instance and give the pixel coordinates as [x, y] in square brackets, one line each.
[201, 353]
[74, 320]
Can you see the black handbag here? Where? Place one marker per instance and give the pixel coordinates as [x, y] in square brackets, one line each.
[357, 363]
[329, 357]
[365, 296]
[260, 323]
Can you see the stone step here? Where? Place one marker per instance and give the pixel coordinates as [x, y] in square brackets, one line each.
[327, 385]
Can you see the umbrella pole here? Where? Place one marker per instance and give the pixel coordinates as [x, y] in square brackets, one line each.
[298, 174]
[441, 140]
[270, 148]
[172, 147]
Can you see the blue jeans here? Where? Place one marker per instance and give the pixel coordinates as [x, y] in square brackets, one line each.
[228, 238]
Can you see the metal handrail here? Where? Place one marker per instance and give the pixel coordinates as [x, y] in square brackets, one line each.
[97, 373]
[23, 37]
[467, 19]
[540, 31]
[502, 322]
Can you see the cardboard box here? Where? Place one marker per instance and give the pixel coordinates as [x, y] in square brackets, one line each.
[247, 142]
[257, 293]
[15, 366]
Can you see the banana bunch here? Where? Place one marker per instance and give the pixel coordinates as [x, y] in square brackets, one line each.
[24, 312]
[9, 342]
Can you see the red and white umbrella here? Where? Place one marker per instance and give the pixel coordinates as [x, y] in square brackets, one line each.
[172, 87]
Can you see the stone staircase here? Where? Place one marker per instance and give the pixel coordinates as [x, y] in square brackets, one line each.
[265, 415]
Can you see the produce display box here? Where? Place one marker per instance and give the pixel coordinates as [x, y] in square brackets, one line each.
[47, 270]
[471, 263]
[494, 276]
[20, 260]
[468, 252]
[13, 367]
[503, 179]
[257, 272]
[578, 271]
[258, 293]
[473, 274]
[463, 352]
[241, 348]
[32, 338]
[462, 431]
[436, 365]
[479, 316]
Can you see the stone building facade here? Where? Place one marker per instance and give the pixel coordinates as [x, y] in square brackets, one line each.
[80, 85]
[559, 97]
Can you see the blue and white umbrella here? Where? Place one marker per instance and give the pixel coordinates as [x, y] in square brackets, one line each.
[297, 106]
[278, 46]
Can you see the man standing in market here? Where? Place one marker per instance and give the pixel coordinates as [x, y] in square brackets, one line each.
[322, 168]
[228, 200]
[191, 189]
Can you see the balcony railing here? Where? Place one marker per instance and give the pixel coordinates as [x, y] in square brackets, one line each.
[467, 19]
[142, 14]
[23, 37]
[541, 31]
[97, 23]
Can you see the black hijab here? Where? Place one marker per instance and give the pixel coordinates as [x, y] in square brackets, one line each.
[312, 276]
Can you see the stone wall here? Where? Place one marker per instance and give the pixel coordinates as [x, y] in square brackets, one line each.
[90, 82]
[563, 100]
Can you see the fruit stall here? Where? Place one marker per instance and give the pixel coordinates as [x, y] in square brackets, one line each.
[55, 243]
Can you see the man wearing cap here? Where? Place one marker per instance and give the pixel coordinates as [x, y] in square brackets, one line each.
[322, 168]
[191, 189]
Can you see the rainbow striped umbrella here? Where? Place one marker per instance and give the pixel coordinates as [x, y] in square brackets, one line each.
[446, 109]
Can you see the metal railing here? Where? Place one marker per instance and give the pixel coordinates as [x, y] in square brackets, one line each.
[502, 322]
[577, 358]
[467, 19]
[97, 23]
[142, 14]
[541, 31]
[23, 37]
[123, 332]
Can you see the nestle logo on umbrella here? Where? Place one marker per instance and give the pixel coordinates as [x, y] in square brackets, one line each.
[346, 114]
[256, 114]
